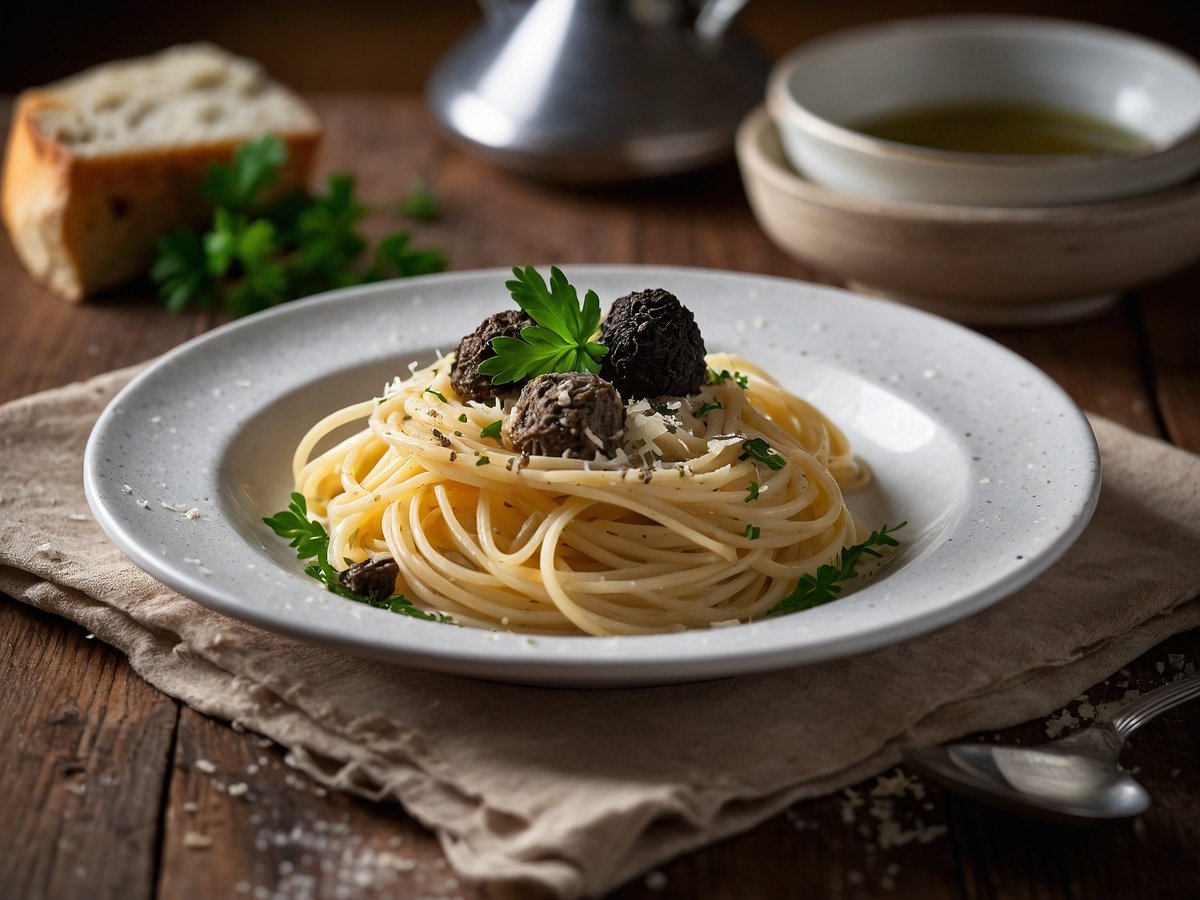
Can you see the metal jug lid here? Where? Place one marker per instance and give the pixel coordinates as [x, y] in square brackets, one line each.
[596, 90]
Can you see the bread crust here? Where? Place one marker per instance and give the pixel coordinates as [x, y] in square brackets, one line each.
[82, 224]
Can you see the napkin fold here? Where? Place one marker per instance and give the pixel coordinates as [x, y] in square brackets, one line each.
[578, 791]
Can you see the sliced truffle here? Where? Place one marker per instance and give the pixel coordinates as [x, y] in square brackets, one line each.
[567, 414]
[475, 347]
[654, 346]
[375, 578]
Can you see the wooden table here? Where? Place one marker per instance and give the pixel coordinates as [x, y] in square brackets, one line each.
[101, 776]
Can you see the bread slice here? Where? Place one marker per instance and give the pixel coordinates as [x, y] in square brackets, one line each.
[102, 164]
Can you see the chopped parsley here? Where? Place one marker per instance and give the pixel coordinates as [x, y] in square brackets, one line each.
[311, 542]
[561, 338]
[492, 430]
[661, 408]
[715, 377]
[752, 532]
[707, 408]
[462, 417]
[438, 394]
[752, 494]
[814, 590]
[482, 461]
[761, 451]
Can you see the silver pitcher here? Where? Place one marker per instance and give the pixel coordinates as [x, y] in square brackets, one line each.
[599, 90]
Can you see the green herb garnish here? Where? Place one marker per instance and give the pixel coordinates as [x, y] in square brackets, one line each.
[312, 543]
[420, 204]
[257, 254]
[752, 494]
[715, 377]
[492, 429]
[462, 417]
[661, 408]
[482, 461]
[760, 450]
[752, 532]
[561, 339]
[707, 408]
[814, 590]
[438, 394]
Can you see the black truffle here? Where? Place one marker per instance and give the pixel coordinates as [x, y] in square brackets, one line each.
[375, 578]
[475, 347]
[567, 413]
[654, 346]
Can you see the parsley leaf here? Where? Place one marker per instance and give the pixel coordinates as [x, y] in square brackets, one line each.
[752, 532]
[825, 585]
[707, 408]
[492, 430]
[560, 341]
[181, 271]
[311, 542]
[255, 167]
[752, 493]
[420, 204]
[257, 254]
[760, 450]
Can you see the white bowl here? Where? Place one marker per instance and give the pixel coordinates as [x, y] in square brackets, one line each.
[819, 92]
[977, 264]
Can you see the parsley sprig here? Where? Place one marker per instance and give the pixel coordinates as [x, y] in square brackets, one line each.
[257, 254]
[312, 543]
[826, 584]
[561, 338]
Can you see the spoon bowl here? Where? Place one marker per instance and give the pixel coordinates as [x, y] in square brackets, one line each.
[1077, 778]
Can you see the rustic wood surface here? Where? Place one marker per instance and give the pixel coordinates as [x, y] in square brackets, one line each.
[106, 784]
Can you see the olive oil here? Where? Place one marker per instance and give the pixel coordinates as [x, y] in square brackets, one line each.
[1006, 128]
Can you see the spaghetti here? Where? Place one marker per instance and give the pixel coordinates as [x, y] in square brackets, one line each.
[711, 509]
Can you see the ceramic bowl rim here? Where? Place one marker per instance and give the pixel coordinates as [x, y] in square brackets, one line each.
[785, 108]
[750, 153]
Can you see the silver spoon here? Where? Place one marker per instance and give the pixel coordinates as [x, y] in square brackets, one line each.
[1076, 777]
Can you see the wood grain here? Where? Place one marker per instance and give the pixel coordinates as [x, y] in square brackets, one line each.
[281, 837]
[86, 752]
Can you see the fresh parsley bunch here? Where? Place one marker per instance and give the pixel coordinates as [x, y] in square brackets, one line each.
[259, 254]
[561, 339]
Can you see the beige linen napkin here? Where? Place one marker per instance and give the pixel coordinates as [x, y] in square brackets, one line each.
[578, 791]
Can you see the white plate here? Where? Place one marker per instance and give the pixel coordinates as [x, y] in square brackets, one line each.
[996, 471]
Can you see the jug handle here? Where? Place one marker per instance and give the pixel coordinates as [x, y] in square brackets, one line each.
[714, 17]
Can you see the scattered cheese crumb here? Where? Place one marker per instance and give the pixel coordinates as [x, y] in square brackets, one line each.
[656, 880]
[194, 840]
[192, 513]
[237, 789]
[1058, 725]
[205, 766]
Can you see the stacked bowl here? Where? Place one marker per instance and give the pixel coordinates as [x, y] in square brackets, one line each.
[994, 169]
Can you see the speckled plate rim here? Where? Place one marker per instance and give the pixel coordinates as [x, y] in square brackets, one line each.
[1040, 483]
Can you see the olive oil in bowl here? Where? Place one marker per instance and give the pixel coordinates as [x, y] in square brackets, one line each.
[1003, 128]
